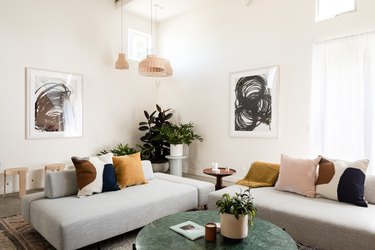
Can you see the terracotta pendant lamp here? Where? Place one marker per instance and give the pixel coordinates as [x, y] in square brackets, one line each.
[153, 66]
[121, 62]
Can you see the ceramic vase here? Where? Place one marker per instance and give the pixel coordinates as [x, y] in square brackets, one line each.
[176, 149]
[234, 228]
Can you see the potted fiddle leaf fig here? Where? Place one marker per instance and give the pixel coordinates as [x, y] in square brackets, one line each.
[236, 214]
[155, 147]
[177, 135]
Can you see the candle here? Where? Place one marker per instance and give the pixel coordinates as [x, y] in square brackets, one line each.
[210, 231]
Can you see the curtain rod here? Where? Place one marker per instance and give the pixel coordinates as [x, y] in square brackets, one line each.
[347, 36]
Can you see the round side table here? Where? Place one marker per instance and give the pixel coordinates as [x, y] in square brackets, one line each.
[222, 172]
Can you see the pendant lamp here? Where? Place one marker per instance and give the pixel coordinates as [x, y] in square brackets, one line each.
[121, 62]
[153, 66]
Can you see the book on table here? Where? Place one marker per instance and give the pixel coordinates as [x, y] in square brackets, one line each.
[189, 229]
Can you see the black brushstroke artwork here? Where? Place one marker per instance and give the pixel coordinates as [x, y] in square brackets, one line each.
[253, 103]
[49, 106]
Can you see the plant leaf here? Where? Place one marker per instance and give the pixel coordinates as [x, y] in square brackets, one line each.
[158, 108]
[143, 128]
[146, 114]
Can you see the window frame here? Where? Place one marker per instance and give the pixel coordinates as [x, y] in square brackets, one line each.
[319, 18]
[131, 34]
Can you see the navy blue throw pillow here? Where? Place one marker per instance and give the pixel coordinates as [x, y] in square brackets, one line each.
[351, 187]
[109, 179]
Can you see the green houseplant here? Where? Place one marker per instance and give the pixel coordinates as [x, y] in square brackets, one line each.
[120, 149]
[236, 213]
[155, 147]
[177, 135]
[180, 134]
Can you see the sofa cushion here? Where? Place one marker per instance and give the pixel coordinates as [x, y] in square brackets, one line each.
[297, 175]
[203, 187]
[261, 174]
[89, 173]
[64, 183]
[129, 170]
[71, 223]
[147, 170]
[61, 183]
[109, 179]
[370, 189]
[347, 183]
[322, 223]
[326, 171]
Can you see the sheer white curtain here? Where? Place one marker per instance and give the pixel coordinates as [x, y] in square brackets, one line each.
[342, 122]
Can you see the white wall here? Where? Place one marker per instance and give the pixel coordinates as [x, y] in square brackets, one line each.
[70, 36]
[205, 45]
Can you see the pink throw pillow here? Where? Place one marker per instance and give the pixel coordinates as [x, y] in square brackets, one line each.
[297, 175]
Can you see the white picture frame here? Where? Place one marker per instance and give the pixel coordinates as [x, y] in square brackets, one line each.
[53, 104]
[253, 104]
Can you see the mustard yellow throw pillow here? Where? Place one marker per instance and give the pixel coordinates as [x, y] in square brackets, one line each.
[261, 174]
[129, 170]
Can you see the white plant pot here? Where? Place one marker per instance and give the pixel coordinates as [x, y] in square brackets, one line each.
[160, 167]
[232, 228]
[177, 149]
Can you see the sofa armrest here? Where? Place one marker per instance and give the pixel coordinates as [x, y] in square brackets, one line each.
[203, 187]
[26, 202]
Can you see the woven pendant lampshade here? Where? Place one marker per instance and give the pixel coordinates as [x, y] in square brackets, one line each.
[121, 62]
[153, 66]
[169, 68]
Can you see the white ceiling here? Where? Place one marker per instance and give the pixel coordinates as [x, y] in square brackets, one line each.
[169, 8]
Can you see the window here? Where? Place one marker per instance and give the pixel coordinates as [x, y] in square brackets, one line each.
[139, 45]
[326, 9]
[342, 122]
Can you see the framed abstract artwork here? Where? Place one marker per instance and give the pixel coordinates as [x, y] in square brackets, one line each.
[53, 104]
[253, 102]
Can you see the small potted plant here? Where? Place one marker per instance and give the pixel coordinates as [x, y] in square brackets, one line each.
[236, 214]
[177, 135]
[120, 149]
[155, 147]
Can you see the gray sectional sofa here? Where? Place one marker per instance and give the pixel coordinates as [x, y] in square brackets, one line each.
[319, 222]
[68, 222]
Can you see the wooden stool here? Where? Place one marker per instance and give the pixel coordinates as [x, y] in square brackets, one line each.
[22, 179]
[54, 167]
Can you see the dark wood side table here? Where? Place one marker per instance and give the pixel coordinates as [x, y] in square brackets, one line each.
[219, 175]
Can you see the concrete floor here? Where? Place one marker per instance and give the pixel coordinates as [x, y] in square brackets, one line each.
[11, 205]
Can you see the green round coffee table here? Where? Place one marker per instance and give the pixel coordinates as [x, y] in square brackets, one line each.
[263, 235]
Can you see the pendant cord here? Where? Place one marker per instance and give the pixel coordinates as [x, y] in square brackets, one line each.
[156, 37]
[151, 26]
[121, 28]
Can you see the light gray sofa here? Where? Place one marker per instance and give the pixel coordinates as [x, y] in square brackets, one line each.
[68, 222]
[319, 222]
